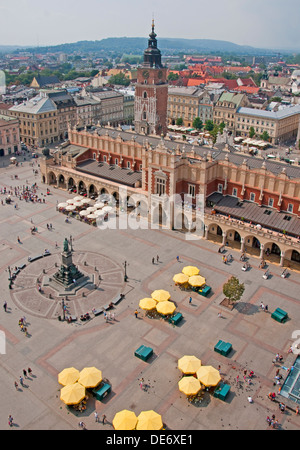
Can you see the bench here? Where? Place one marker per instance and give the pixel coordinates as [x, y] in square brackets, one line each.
[22, 267]
[34, 258]
[223, 348]
[100, 392]
[97, 312]
[222, 391]
[143, 352]
[279, 315]
[116, 300]
[176, 319]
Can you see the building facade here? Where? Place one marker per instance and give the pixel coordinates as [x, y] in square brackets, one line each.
[9, 135]
[239, 191]
[38, 121]
[226, 107]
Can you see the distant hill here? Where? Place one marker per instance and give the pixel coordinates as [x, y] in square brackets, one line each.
[166, 45]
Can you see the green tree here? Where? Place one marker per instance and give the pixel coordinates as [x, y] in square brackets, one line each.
[251, 132]
[214, 132]
[265, 136]
[173, 76]
[120, 78]
[179, 122]
[209, 125]
[221, 127]
[197, 123]
[233, 289]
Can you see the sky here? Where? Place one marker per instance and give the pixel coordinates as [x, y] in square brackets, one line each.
[258, 23]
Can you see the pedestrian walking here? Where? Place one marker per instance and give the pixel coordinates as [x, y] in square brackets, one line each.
[157, 258]
[266, 308]
[24, 373]
[5, 306]
[153, 260]
[177, 257]
[190, 300]
[10, 420]
[136, 313]
[29, 371]
[82, 425]
[16, 385]
[103, 419]
[96, 416]
[21, 381]
[219, 315]
[141, 385]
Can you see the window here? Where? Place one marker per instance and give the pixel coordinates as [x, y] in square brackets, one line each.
[252, 197]
[128, 165]
[94, 156]
[144, 115]
[271, 202]
[191, 190]
[145, 95]
[104, 158]
[160, 186]
[116, 161]
[234, 192]
[290, 207]
[220, 188]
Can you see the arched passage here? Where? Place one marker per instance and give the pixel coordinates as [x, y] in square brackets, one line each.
[51, 178]
[71, 184]
[215, 233]
[159, 216]
[272, 252]
[92, 191]
[233, 239]
[61, 181]
[292, 259]
[252, 245]
[82, 188]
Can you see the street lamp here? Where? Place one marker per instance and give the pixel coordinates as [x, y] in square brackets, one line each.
[125, 267]
[9, 279]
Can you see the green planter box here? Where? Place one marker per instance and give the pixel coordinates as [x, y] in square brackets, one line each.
[222, 391]
[205, 291]
[176, 319]
[101, 391]
[143, 353]
[224, 348]
[279, 315]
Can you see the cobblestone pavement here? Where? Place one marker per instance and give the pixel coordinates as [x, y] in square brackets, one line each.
[52, 345]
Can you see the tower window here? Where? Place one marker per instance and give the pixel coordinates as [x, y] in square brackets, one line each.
[145, 115]
[145, 95]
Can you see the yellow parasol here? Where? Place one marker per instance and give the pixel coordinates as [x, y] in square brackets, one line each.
[208, 375]
[165, 308]
[189, 385]
[125, 420]
[90, 377]
[147, 303]
[190, 271]
[161, 295]
[189, 364]
[197, 281]
[72, 394]
[149, 420]
[180, 278]
[68, 376]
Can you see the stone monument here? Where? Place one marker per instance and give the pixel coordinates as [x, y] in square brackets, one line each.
[68, 273]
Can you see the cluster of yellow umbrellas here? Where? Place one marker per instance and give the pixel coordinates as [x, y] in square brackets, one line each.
[160, 301]
[147, 420]
[205, 375]
[75, 383]
[189, 276]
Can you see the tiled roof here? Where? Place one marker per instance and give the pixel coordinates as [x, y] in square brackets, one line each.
[113, 173]
[274, 220]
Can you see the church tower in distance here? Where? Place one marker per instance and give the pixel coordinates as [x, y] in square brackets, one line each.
[151, 92]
